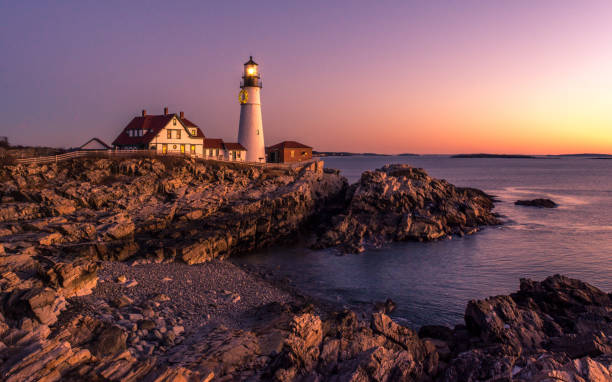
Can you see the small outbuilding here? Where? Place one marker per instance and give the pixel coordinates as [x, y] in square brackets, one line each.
[94, 144]
[288, 152]
[234, 151]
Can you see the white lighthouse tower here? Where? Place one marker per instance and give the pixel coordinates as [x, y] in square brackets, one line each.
[250, 130]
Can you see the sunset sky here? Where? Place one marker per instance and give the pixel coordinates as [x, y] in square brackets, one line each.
[390, 77]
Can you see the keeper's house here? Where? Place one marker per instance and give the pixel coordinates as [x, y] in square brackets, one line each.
[174, 134]
[288, 152]
[166, 133]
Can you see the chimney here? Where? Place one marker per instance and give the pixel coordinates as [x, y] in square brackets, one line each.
[144, 113]
[182, 115]
[165, 111]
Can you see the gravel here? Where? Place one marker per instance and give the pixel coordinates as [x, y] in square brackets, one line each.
[217, 292]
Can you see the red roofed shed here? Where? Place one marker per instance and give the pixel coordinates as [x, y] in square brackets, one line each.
[288, 152]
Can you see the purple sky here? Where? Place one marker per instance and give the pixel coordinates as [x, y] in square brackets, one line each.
[426, 76]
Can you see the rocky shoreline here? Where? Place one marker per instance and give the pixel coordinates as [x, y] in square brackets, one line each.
[402, 203]
[114, 270]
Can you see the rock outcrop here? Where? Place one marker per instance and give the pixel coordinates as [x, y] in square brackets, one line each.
[540, 203]
[402, 203]
[163, 209]
[559, 328]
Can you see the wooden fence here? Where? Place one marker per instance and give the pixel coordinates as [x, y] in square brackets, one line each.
[144, 153]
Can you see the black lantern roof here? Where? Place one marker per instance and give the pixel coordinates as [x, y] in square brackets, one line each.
[250, 61]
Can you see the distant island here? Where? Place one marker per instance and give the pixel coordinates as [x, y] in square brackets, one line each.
[492, 156]
[587, 155]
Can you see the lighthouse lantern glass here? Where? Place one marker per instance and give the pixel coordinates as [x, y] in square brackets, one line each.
[251, 70]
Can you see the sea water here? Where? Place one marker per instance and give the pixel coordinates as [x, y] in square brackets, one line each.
[431, 283]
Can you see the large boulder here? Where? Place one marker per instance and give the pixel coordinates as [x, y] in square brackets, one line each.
[110, 341]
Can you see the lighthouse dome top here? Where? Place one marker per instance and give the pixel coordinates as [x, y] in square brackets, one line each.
[250, 61]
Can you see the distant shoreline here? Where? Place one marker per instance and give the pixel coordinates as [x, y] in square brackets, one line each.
[345, 154]
[493, 156]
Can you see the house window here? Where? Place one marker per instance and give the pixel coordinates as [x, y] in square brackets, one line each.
[292, 153]
[178, 134]
[174, 122]
[169, 134]
[129, 133]
[257, 131]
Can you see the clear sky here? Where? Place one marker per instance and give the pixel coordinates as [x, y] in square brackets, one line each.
[378, 76]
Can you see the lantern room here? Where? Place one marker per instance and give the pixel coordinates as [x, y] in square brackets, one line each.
[251, 74]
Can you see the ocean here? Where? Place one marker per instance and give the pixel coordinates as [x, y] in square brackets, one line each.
[431, 283]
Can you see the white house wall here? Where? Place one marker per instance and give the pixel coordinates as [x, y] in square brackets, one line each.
[174, 144]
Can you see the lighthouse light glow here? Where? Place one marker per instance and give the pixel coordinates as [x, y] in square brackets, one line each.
[251, 70]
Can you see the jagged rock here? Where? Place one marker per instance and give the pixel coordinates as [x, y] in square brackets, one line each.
[45, 304]
[146, 324]
[421, 352]
[399, 203]
[110, 341]
[500, 320]
[75, 278]
[122, 301]
[51, 238]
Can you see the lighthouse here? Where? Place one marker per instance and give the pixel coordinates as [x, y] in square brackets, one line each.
[250, 129]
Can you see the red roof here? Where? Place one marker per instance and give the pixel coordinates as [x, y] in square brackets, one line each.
[187, 122]
[153, 124]
[212, 143]
[234, 146]
[289, 145]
